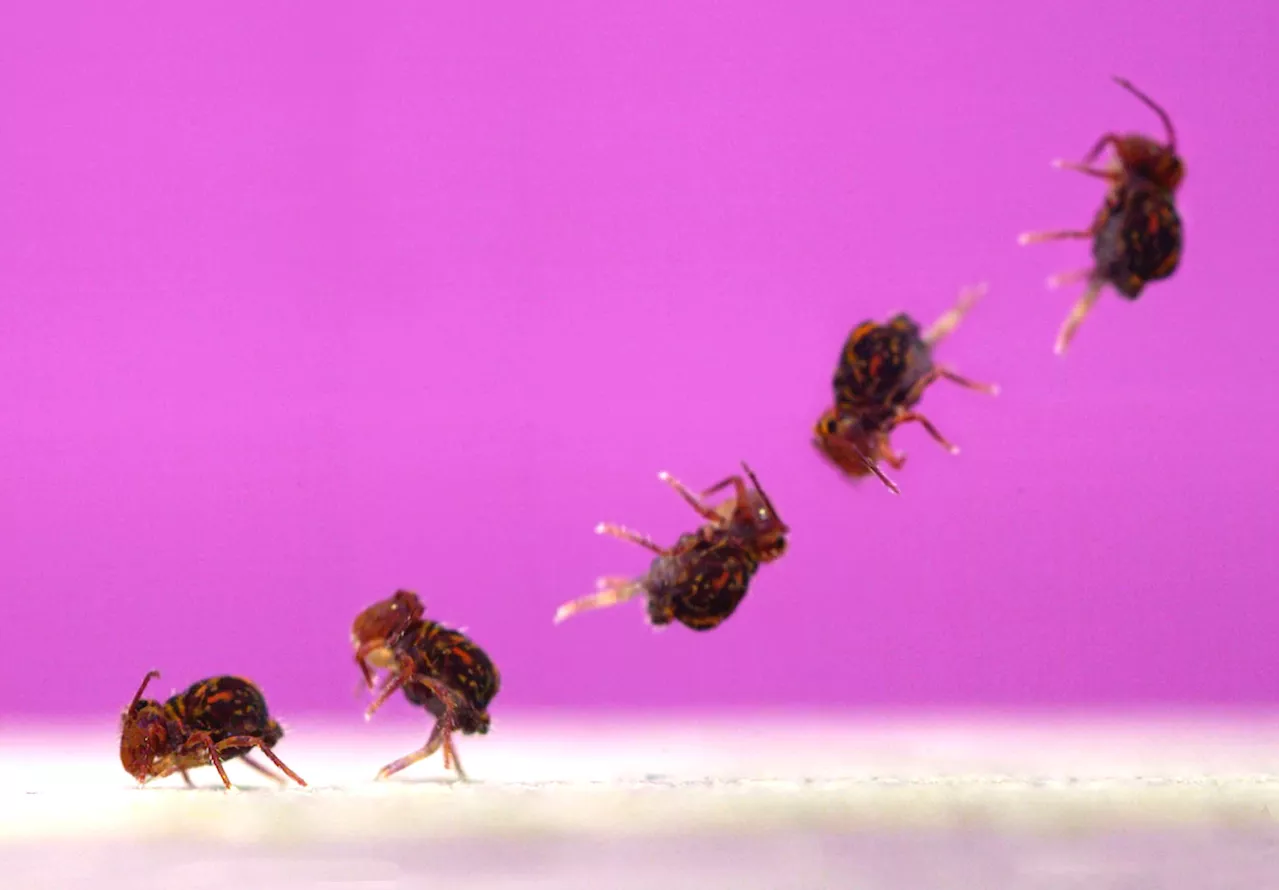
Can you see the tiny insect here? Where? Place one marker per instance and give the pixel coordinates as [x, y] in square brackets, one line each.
[212, 721]
[1137, 234]
[882, 373]
[439, 669]
[700, 581]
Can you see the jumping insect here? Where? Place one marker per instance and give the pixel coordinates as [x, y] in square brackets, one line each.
[881, 376]
[438, 668]
[214, 720]
[699, 581]
[1137, 234]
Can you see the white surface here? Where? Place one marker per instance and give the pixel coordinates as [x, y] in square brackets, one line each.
[741, 803]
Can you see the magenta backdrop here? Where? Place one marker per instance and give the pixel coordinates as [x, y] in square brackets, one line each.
[308, 301]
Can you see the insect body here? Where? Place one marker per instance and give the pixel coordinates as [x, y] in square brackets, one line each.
[700, 580]
[1138, 237]
[213, 721]
[1137, 234]
[439, 669]
[882, 373]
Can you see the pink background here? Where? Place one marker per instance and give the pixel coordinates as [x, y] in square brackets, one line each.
[307, 301]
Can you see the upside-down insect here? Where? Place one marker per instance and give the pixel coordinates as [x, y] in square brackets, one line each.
[883, 371]
[702, 578]
[439, 669]
[214, 720]
[1137, 234]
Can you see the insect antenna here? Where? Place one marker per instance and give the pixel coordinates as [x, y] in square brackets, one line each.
[764, 497]
[137, 696]
[1151, 103]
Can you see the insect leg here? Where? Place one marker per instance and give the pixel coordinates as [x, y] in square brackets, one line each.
[626, 534]
[186, 778]
[612, 591]
[1037, 237]
[1077, 315]
[362, 653]
[1100, 173]
[739, 486]
[445, 726]
[1061, 278]
[432, 745]
[253, 741]
[989, 388]
[441, 733]
[254, 765]
[914, 417]
[950, 320]
[895, 459]
[696, 502]
[393, 683]
[203, 739]
[451, 757]
[1103, 141]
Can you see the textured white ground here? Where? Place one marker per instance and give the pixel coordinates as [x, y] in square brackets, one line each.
[769, 803]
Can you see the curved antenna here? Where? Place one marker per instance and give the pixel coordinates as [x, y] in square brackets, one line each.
[760, 491]
[137, 696]
[1151, 103]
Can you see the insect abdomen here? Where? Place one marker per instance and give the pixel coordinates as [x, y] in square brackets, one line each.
[878, 369]
[226, 707]
[451, 658]
[1139, 238]
[713, 581]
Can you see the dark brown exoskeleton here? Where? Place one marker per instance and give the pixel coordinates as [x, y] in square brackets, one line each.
[214, 720]
[439, 669]
[883, 371]
[1137, 234]
[699, 581]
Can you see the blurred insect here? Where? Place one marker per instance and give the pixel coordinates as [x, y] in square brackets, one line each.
[883, 372]
[1137, 234]
[214, 720]
[699, 581]
[438, 668]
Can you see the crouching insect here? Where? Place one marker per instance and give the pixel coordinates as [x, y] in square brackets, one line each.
[1137, 234]
[439, 669]
[701, 579]
[213, 721]
[882, 373]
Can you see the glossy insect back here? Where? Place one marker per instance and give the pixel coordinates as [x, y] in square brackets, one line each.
[1137, 234]
[212, 721]
[700, 581]
[463, 666]
[702, 585]
[438, 668]
[881, 375]
[879, 369]
[1138, 238]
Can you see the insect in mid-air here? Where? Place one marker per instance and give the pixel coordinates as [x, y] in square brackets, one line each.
[212, 721]
[1137, 234]
[882, 373]
[701, 579]
[439, 669]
